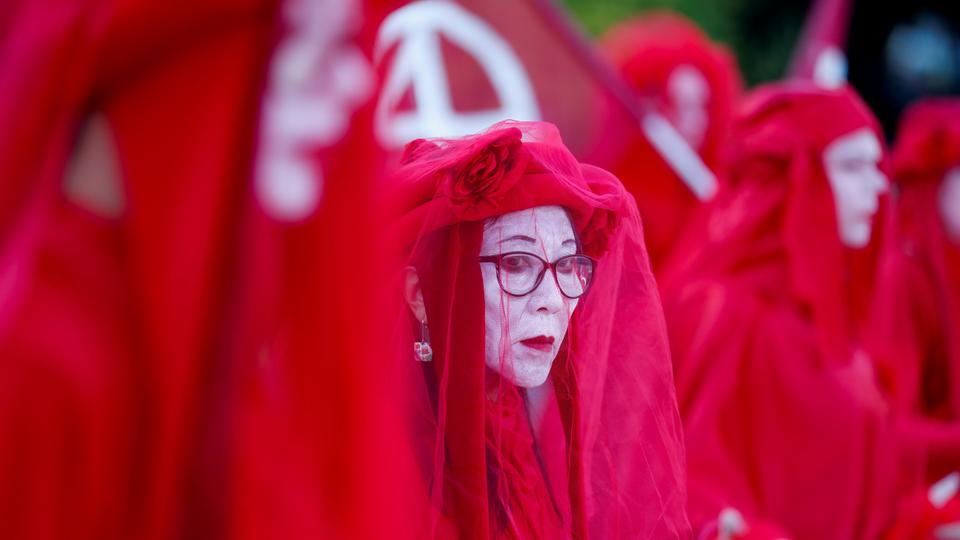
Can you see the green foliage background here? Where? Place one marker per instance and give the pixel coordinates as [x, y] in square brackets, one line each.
[761, 33]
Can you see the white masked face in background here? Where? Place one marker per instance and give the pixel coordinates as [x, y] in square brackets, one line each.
[852, 166]
[949, 197]
[524, 333]
[689, 93]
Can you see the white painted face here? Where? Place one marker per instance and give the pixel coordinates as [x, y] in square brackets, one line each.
[950, 203]
[690, 94]
[523, 334]
[852, 165]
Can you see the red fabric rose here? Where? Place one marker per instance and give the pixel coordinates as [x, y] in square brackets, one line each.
[491, 168]
[596, 235]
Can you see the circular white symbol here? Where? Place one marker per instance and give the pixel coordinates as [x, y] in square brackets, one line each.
[318, 78]
[418, 64]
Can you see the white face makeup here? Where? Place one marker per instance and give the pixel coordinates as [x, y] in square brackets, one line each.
[949, 198]
[523, 334]
[852, 166]
[689, 92]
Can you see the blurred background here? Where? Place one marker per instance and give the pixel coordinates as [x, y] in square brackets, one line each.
[896, 54]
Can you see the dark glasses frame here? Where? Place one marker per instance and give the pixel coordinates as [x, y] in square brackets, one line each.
[498, 259]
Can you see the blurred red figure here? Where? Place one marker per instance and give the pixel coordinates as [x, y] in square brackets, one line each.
[184, 350]
[676, 72]
[783, 416]
[533, 331]
[111, 290]
[918, 310]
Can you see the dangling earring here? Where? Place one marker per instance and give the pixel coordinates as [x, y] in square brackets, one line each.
[422, 349]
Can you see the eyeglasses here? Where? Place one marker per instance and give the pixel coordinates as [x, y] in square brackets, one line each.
[520, 273]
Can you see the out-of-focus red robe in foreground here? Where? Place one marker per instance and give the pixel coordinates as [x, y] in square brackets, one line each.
[194, 354]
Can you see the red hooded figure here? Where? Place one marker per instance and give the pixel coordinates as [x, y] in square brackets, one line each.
[534, 339]
[783, 416]
[677, 73]
[107, 316]
[194, 347]
[918, 307]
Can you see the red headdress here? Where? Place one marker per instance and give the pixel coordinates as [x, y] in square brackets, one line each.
[780, 210]
[606, 461]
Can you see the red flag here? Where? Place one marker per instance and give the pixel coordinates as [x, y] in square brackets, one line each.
[454, 68]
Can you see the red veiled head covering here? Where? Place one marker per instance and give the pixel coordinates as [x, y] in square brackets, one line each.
[657, 55]
[917, 315]
[780, 208]
[781, 409]
[606, 460]
[928, 147]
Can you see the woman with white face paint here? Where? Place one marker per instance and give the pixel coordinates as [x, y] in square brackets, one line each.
[522, 269]
[525, 315]
[917, 313]
[852, 162]
[783, 413]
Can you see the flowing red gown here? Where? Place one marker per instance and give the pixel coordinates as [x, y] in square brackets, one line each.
[783, 416]
[918, 307]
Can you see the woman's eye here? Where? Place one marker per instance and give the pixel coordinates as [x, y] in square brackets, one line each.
[565, 266]
[515, 264]
[852, 166]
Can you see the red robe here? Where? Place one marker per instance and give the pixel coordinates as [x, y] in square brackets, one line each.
[917, 313]
[783, 416]
[133, 399]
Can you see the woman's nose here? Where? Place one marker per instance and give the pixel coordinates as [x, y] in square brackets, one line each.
[880, 182]
[547, 297]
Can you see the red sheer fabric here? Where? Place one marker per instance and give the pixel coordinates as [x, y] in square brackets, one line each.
[596, 452]
[676, 71]
[918, 305]
[783, 417]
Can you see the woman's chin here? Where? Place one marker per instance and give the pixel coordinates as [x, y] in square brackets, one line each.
[532, 372]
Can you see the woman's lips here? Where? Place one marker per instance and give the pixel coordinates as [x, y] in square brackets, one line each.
[539, 343]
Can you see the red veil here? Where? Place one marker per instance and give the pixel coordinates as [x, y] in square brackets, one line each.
[647, 51]
[782, 414]
[918, 304]
[604, 457]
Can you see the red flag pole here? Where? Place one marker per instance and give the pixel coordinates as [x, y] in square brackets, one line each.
[664, 138]
[820, 53]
